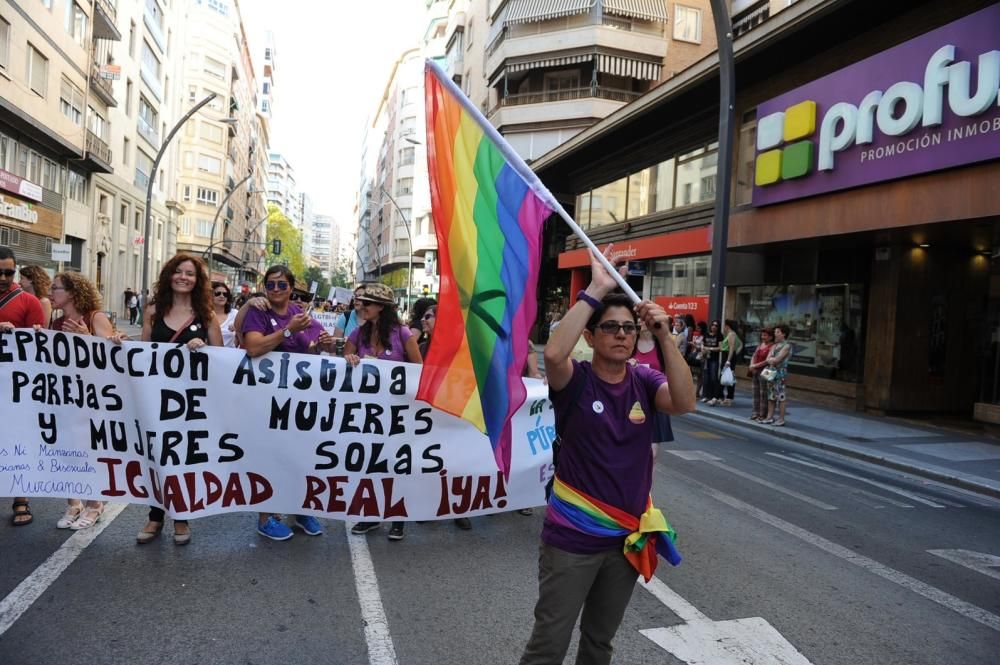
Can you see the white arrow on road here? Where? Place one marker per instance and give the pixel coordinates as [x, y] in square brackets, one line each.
[701, 641]
[987, 564]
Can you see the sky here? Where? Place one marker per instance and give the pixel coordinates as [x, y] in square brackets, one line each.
[332, 62]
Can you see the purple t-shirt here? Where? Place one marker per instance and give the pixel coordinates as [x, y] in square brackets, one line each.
[605, 452]
[266, 322]
[397, 344]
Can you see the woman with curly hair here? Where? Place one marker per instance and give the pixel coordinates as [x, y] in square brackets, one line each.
[80, 303]
[416, 322]
[35, 280]
[180, 312]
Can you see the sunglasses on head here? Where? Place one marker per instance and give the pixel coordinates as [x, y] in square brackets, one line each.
[9, 272]
[612, 327]
[279, 286]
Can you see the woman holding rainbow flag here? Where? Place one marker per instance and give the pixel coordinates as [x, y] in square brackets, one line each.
[601, 530]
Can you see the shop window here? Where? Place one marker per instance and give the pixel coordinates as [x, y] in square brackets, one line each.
[583, 210]
[696, 176]
[608, 203]
[687, 276]
[639, 198]
[825, 322]
[662, 184]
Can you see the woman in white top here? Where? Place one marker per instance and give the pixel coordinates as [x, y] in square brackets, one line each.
[225, 313]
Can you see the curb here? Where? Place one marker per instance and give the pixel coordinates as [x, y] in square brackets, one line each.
[940, 474]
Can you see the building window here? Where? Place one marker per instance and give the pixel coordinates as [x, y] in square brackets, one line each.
[186, 193]
[192, 93]
[6, 153]
[149, 60]
[131, 40]
[71, 102]
[143, 165]
[745, 160]
[215, 68]
[10, 237]
[265, 106]
[137, 221]
[185, 226]
[126, 150]
[406, 156]
[123, 215]
[267, 54]
[50, 174]
[209, 164]
[404, 186]
[128, 97]
[208, 196]
[211, 132]
[204, 228]
[148, 120]
[4, 44]
[38, 71]
[76, 23]
[47, 4]
[97, 124]
[34, 166]
[266, 88]
[687, 24]
[77, 187]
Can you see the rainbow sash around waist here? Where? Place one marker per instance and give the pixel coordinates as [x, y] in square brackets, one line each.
[571, 508]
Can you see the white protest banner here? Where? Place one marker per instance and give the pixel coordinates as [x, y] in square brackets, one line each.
[217, 431]
[328, 319]
[341, 296]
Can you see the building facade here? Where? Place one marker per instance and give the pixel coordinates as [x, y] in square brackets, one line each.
[863, 213]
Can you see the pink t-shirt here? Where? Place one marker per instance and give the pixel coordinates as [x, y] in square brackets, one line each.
[397, 343]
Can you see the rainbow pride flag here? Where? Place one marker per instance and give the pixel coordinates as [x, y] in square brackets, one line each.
[489, 209]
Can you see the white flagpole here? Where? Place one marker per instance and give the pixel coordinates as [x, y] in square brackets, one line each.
[528, 175]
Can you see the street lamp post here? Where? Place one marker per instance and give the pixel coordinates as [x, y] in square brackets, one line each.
[215, 220]
[148, 227]
[724, 168]
[409, 244]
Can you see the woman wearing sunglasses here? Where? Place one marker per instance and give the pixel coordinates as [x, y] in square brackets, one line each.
[283, 326]
[181, 312]
[225, 312]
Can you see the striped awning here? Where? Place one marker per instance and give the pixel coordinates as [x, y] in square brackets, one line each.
[529, 11]
[647, 10]
[637, 69]
[549, 62]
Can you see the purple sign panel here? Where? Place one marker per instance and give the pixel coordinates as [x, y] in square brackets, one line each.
[928, 104]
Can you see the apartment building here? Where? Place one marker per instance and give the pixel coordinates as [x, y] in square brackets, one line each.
[54, 136]
[282, 188]
[218, 182]
[323, 242]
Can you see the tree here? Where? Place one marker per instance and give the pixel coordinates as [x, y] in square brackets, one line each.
[314, 274]
[280, 228]
[340, 274]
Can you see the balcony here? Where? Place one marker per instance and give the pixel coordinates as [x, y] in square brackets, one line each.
[152, 80]
[141, 180]
[155, 31]
[751, 17]
[104, 21]
[102, 87]
[98, 153]
[559, 106]
[148, 132]
[517, 46]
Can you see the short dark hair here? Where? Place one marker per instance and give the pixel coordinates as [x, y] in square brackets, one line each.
[784, 329]
[616, 299]
[282, 270]
[7, 253]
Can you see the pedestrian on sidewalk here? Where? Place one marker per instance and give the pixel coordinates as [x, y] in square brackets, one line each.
[280, 325]
[731, 349]
[35, 280]
[181, 313]
[711, 350]
[757, 382]
[777, 359]
[380, 335]
[649, 354]
[80, 303]
[601, 492]
[133, 308]
[18, 309]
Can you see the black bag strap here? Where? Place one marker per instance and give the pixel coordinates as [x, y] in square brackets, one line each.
[10, 296]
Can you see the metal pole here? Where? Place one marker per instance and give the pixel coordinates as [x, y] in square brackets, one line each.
[149, 187]
[215, 220]
[724, 167]
[409, 243]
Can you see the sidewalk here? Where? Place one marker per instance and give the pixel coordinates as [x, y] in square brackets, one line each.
[944, 455]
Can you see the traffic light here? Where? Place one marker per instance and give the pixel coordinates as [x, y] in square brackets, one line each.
[276, 246]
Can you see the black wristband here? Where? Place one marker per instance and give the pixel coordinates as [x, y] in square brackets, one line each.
[590, 300]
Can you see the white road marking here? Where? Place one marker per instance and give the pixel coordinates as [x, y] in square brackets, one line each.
[888, 488]
[739, 642]
[34, 585]
[987, 564]
[380, 648]
[968, 610]
[717, 462]
[855, 493]
[682, 608]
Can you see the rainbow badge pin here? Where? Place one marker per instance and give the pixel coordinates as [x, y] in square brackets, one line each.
[637, 415]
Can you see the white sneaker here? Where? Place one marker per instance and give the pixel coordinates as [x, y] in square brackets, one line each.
[71, 515]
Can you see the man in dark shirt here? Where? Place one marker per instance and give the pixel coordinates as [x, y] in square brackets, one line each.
[18, 309]
[601, 531]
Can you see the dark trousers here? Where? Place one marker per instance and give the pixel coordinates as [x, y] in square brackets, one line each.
[711, 383]
[133, 314]
[157, 515]
[599, 584]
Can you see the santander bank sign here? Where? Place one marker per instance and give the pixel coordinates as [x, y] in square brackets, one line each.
[928, 104]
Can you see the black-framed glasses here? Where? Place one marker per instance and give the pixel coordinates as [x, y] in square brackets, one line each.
[612, 327]
[276, 286]
[8, 272]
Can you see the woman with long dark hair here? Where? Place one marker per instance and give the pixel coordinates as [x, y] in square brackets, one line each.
[80, 303]
[415, 323]
[381, 336]
[222, 302]
[731, 349]
[712, 351]
[180, 312]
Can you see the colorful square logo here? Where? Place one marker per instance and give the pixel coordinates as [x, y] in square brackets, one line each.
[782, 154]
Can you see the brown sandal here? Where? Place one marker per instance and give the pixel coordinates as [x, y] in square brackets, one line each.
[26, 512]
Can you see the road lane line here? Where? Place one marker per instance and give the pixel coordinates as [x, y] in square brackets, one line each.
[380, 648]
[987, 564]
[34, 585]
[841, 488]
[684, 610]
[968, 610]
[888, 488]
[777, 488]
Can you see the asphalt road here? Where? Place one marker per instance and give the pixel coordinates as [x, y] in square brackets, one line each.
[792, 555]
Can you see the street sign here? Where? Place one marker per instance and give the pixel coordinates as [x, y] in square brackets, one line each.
[312, 287]
[62, 252]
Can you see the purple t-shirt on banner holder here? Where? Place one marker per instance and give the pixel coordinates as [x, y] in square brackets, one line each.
[267, 322]
[397, 344]
[605, 449]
